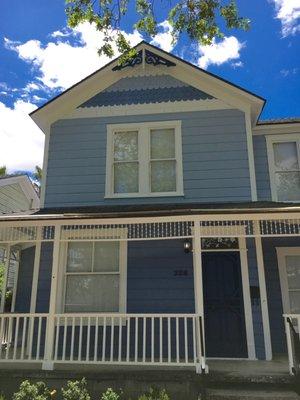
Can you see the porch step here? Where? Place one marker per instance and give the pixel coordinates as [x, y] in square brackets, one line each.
[238, 394]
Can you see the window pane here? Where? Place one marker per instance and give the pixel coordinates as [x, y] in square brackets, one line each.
[79, 257]
[293, 271]
[126, 178]
[285, 155]
[288, 185]
[294, 302]
[92, 293]
[162, 143]
[126, 146]
[163, 176]
[106, 256]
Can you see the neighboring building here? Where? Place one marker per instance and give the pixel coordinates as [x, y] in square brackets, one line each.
[169, 229]
[18, 195]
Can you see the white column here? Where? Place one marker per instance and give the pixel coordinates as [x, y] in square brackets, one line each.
[48, 359]
[6, 268]
[36, 268]
[198, 290]
[263, 291]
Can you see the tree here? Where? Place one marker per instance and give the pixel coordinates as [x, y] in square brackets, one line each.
[38, 173]
[200, 20]
[3, 171]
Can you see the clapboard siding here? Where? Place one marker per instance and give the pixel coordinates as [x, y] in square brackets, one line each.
[261, 168]
[215, 159]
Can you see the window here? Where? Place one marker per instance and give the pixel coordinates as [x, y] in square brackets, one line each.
[144, 160]
[284, 167]
[94, 276]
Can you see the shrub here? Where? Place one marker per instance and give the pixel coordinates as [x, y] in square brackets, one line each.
[110, 394]
[155, 394]
[76, 390]
[32, 391]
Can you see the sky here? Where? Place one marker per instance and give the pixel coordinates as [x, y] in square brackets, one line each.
[40, 57]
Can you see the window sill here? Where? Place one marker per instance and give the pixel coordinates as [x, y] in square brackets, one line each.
[141, 195]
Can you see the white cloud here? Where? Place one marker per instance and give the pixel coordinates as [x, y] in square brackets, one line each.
[61, 64]
[287, 72]
[288, 11]
[164, 38]
[238, 64]
[220, 52]
[21, 140]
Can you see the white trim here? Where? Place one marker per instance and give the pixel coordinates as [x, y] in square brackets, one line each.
[282, 252]
[273, 129]
[36, 270]
[270, 140]
[149, 108]
[143, 160]
[263, 292]
[251, 156]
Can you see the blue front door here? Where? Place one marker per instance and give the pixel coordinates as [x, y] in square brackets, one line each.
[225, 333]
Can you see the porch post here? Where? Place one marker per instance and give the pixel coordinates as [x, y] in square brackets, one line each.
[6, 268]
[48, 359]
[263, 291]
[36, 268]
[198, 293]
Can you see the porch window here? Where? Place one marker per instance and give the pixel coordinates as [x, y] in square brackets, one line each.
[144, 160]
[284, 168]
[94, 276]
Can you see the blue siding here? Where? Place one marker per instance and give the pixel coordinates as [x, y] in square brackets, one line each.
[154, 285]
[261, 168]
[215, 159]
[44, 284]
[25, 280]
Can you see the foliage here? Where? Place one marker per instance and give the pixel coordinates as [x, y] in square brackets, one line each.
[32, 391]
[38, 173]
[155, 394]
[2, 397]
[3, 171]
[200, 20]
[76, 390]
[110, 394]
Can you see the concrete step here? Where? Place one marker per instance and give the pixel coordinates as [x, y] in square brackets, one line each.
[238, 394]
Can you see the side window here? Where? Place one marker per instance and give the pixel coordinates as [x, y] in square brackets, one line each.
[284, 165]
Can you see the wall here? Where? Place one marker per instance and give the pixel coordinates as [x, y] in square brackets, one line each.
[261, 168]
[215, 160]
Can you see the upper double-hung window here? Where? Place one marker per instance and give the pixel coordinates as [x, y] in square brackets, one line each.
[144, 160]
[284, 165]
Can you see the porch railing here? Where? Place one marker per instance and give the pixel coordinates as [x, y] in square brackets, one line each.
[148, 339]
[292, 329]
[22, 337]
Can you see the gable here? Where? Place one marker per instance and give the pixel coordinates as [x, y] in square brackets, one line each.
[146, 89]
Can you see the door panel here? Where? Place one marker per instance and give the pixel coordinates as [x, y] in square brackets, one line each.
[224, 317]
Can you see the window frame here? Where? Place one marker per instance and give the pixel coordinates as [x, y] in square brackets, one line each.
[271, 140]
[143, 129]
[61, 299]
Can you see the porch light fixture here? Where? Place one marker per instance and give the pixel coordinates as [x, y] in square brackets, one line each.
[187, 246]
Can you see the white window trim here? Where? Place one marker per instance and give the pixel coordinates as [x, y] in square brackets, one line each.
[282, 252]
[144, 175]
[283, 138]
[86, 235]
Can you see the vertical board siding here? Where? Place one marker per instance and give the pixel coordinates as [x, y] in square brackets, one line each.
[44, 285]
[215, 159]
[261, 168]
[273, 289]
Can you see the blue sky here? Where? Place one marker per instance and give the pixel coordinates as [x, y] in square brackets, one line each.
[40, 57]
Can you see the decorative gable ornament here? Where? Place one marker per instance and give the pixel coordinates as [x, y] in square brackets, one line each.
[145, 56]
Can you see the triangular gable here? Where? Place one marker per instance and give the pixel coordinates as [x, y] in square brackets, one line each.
[145, 90]
[159, 62]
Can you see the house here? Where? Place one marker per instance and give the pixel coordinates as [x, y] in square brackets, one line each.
[18, 195]
[169, 228]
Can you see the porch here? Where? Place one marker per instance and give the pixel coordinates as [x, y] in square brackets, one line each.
[54, 332]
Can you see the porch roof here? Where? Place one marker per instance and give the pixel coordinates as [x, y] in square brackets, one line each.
[148, 210]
